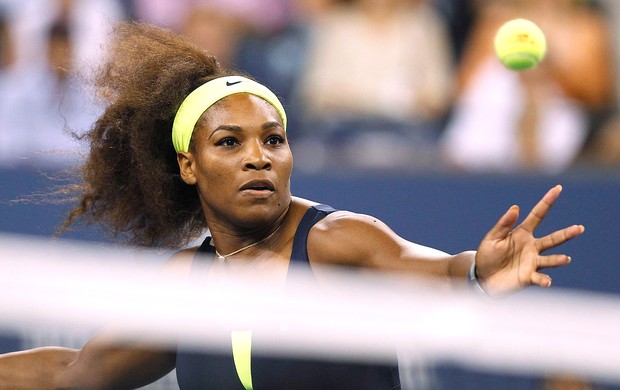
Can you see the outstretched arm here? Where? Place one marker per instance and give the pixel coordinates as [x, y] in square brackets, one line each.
[103, 363]
[507, 259]
[510, 258]
[99, 365]
[34, 369]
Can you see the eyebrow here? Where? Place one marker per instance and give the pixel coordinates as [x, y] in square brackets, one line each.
[238, 129]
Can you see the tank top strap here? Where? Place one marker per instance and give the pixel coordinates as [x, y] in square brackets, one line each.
[206, 246]
[313, 215]
[299, 253]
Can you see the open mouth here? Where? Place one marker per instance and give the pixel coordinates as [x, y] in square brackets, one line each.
[258, 185]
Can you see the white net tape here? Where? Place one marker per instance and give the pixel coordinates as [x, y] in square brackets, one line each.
[81, 289]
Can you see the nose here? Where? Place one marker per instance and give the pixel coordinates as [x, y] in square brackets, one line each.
[255, 157]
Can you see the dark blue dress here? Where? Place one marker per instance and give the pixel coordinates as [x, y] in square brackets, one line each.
[218, 371]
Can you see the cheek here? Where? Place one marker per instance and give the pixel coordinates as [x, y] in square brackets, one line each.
[285, 170]
[220, 179]
[285, 161]
[213, 177]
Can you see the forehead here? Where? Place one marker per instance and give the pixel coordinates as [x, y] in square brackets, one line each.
[240, 107]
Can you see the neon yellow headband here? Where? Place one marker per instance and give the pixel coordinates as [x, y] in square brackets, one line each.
[203, 97]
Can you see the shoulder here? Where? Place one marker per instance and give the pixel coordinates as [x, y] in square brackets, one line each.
[342, 221]
[336, 220]
[180, 263]
[345, 238]
[348, 238]
[297, 210]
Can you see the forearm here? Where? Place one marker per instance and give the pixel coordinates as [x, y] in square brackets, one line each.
[459, 265]
[40, 368]
[98, 365]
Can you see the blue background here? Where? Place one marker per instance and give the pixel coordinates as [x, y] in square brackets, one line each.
[448, 211]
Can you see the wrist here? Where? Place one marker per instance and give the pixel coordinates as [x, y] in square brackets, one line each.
[473, 282]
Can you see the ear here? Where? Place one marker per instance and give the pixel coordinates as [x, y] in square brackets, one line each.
[186, 167]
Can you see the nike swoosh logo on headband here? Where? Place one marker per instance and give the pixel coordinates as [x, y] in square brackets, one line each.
[228, 83]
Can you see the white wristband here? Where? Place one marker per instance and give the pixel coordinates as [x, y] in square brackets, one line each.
[472, 280]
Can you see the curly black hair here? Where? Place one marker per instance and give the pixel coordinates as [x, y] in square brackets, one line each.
[130, 181]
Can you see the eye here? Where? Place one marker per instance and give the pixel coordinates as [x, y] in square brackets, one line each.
[228, 141]
[275, 140]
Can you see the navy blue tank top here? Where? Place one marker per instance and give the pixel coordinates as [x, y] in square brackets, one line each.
[217, 371]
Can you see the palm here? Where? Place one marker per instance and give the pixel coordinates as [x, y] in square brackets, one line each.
[510, 257]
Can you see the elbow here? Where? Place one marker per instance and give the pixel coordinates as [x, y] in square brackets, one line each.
[68, 373]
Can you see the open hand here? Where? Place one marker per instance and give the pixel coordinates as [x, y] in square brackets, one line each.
[510, 258]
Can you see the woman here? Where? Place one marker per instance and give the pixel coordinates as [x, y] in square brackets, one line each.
[228, 167]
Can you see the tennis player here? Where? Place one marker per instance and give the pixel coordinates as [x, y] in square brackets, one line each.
[185, 145]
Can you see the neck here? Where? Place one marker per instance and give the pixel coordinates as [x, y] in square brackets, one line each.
[223, 257]
[228, 244]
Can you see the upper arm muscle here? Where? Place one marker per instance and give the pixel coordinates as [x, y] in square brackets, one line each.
[345, 238]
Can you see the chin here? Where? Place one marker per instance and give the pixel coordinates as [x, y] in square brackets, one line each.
[257, 213]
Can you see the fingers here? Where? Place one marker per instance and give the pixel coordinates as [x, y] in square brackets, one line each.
[558, 237]
[505, 224]
[552, 261]
[541, 280]
[538, 213]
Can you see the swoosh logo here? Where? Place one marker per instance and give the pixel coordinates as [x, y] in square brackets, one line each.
[229, 83]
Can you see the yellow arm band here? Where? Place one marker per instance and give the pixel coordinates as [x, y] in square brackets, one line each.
[203, 97]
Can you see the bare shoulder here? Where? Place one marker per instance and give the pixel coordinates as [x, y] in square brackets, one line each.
[180, 263]
[300, 205]
[348, 238]
[343, 218]
[336, 219]
[343, 221]
[340, 222]
[353, 239]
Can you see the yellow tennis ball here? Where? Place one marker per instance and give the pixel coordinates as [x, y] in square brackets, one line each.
[520, 44]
